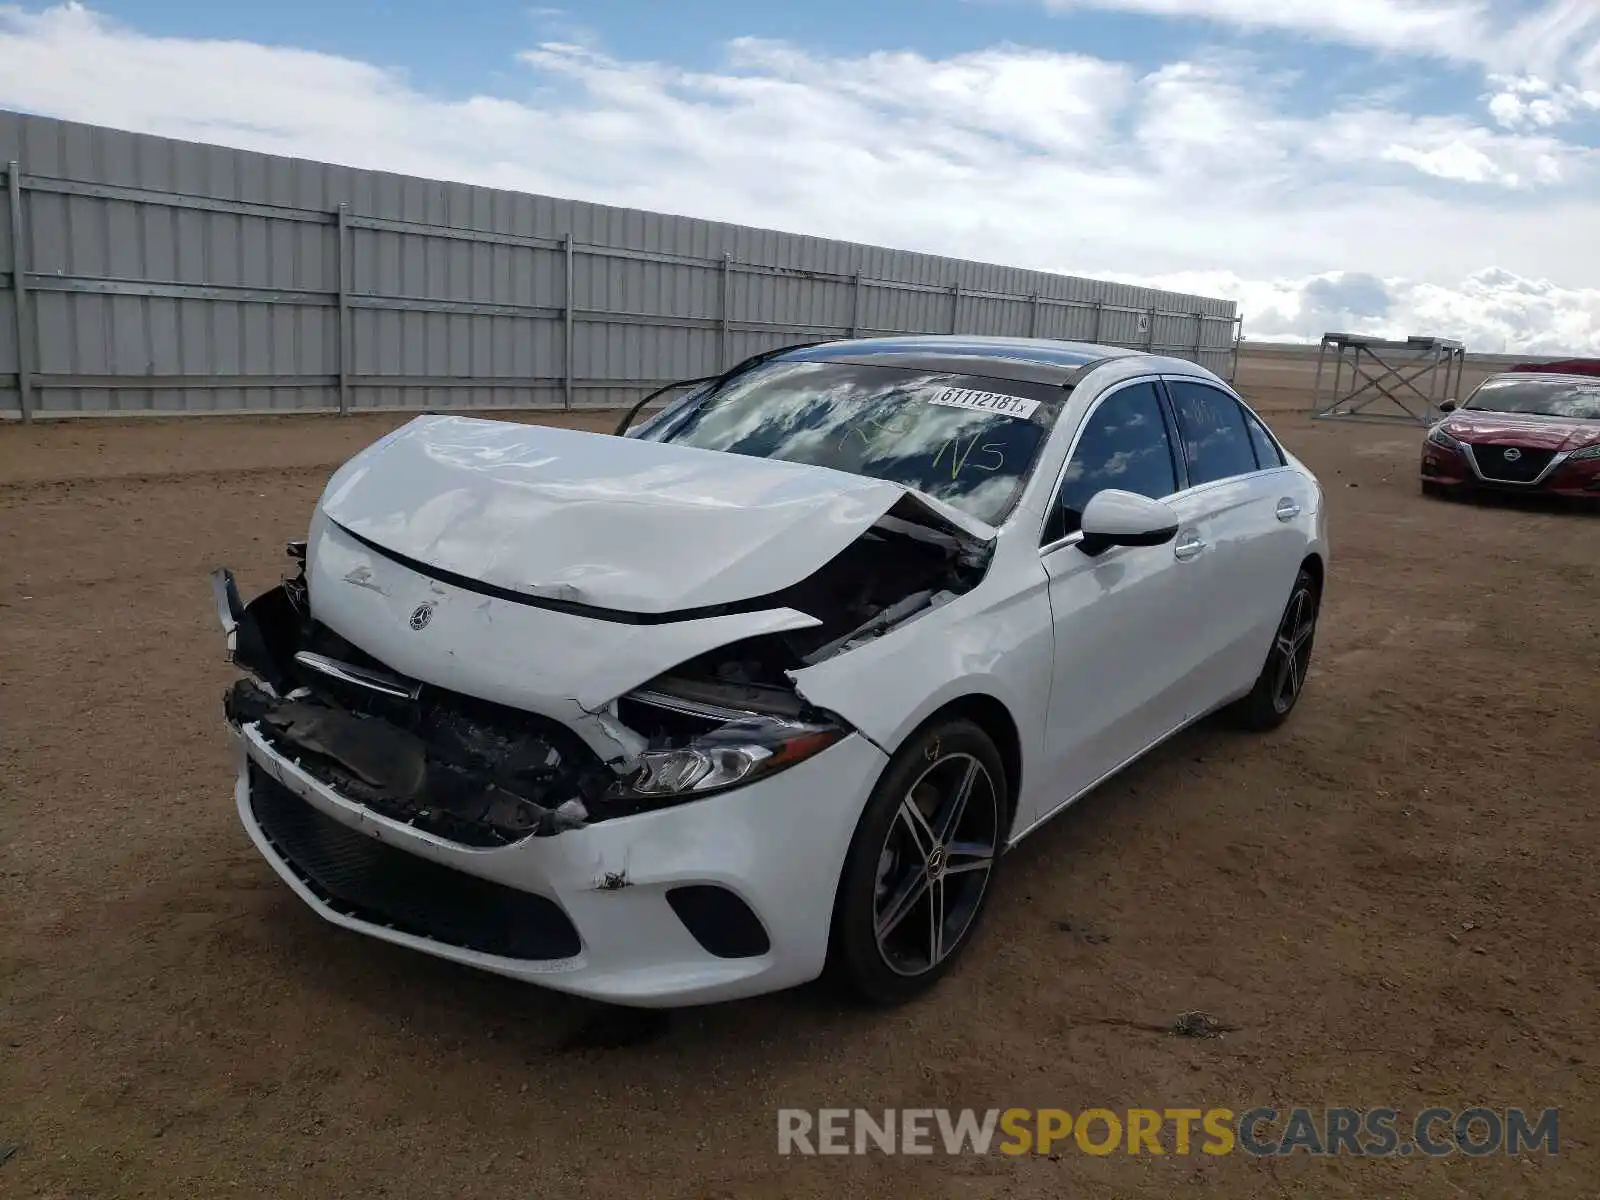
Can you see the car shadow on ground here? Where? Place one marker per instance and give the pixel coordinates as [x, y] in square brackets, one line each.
[524, 1024]
[1527, 502]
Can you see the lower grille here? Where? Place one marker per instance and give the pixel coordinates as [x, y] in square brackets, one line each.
[1525, 467]
[722, 923]
[363, 878]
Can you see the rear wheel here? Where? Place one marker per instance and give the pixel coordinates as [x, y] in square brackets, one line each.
[921, 867]
[1283, 675]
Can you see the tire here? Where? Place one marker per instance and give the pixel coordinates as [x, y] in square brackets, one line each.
[1277, 689]
[886, 880]
[1432, 489]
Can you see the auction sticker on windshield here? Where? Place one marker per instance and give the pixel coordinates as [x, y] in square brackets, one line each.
[995, 402]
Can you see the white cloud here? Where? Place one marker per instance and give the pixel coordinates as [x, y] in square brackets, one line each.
[1444, 27]
[1528, 102]
[1559, 39]
[1491, 310]
[1012, 154]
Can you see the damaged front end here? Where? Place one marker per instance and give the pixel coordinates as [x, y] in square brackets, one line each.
[484, 774]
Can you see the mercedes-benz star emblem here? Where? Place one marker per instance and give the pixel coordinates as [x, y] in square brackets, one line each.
[1512, 454]
[421, 615]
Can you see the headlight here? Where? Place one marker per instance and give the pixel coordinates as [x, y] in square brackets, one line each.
[1587, 452]
[1439, 437]
[737, 752]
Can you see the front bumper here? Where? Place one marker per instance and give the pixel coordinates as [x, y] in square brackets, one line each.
[1453, 469]
[609, 931]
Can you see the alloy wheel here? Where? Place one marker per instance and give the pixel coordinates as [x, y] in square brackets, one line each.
[1292, 648]
[935, 864]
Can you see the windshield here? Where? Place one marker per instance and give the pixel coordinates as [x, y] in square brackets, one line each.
[1579, 398]
[968, 441]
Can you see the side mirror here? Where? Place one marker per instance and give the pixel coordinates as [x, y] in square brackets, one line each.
[1117, 518]
[1448, 406]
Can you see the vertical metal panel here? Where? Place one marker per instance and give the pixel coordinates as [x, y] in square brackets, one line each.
[725, 312]
[566, 324]
[181, 277]
[19, 348]
[343, 252]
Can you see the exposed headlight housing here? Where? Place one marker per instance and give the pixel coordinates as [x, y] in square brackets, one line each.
[1439, 437]
[712, 749]
[1585, 454]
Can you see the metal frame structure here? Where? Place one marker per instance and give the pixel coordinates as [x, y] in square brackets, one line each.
[1413, 377]
[139, 274]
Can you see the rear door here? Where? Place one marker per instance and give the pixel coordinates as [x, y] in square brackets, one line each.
[1248, 508]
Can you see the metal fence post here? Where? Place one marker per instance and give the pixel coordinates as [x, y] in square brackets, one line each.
[1316, 386]
[1033, 315]
[342, 232]
[1238, 336]
[1150, 333]
[855, 305]
[1199, 335]
[566, 322]
[19, 286]
[727, 301]
[955, 307]
[1099, 318]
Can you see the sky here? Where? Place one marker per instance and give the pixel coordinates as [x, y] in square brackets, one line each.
[1398, 167]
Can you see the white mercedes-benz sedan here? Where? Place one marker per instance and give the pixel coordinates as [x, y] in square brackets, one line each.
[767, 685]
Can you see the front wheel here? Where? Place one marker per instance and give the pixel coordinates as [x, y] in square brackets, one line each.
[1283, 675]
[921, 867]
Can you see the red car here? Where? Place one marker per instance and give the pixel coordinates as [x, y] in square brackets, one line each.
[1535, 428]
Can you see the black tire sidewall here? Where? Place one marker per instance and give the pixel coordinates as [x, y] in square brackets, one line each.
[854, 958]
[1259, 711]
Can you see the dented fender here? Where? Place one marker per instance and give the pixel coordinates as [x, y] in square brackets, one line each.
[971, 645]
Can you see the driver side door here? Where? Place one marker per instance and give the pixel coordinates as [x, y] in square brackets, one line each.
[1120, 617]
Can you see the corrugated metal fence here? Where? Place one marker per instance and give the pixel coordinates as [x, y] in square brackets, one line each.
[140, 274]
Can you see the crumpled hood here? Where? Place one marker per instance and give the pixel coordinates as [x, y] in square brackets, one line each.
[609, 522]
[1528, 432]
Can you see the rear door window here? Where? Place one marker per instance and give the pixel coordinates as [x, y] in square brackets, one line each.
[1267, 453]
[1216, 443]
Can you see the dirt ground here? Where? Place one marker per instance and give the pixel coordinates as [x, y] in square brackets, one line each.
[1393, 897]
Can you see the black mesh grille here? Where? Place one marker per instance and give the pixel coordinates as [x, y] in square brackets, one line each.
[366, 879]
[1524, 468]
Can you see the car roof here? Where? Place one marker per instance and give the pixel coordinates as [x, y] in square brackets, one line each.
[1569, 367]
[1549, 376]
[1037, 360]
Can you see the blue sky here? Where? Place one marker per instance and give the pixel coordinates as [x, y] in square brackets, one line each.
[1401, 166]
[442, 47]
[443, 51]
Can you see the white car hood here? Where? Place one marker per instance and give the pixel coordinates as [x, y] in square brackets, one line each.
[609, 522]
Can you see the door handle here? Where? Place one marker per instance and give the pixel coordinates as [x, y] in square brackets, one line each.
[1287, 510]
[1189, 547]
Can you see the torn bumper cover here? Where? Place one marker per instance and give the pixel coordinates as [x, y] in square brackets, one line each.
[467, 771]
